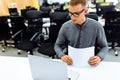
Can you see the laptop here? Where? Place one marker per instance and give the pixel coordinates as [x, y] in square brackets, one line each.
[47, 69]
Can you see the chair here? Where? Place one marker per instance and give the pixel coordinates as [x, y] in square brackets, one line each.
[112, 28]
[23, 12]
[34, 18]
[102, 9]
[93, 16]
[46, 10]
[56, 20]
[27, 42]
[13, 11]
[29, 34]
[4, 31]
[17, 24]
[16, 29]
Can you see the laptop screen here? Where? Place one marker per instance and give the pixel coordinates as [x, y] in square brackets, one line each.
[47, 69]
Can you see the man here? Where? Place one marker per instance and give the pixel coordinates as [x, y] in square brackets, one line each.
[81, 32]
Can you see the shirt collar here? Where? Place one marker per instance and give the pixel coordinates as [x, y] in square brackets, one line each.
[83, 26]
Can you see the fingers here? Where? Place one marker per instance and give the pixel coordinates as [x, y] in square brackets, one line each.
[67, 59]
[94, 61]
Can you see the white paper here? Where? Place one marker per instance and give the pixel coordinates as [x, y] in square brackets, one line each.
[80, 56]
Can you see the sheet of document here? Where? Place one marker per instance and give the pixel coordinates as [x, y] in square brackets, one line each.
[80, 56]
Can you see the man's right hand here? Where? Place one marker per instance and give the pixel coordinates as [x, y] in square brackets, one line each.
[67, 59]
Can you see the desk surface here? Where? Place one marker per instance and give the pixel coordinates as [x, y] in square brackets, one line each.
[104, 71]
[17, 68]
[14, 68]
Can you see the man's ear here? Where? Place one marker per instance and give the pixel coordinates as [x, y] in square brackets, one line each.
[86, 11]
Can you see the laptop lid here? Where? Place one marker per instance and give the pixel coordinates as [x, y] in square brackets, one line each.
[47, 69]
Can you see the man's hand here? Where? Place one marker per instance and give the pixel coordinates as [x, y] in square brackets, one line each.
[67, 59]
[94, 60]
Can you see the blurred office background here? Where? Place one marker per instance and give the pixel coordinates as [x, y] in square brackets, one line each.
[29, 19]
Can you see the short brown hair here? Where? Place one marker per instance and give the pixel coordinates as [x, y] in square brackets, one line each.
[76, 2]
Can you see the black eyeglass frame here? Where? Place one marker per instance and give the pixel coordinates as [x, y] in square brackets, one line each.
[76, 14]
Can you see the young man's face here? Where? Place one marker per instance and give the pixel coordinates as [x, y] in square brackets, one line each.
[77, 13]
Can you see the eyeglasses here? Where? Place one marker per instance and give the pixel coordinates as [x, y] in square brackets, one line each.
[76, 14]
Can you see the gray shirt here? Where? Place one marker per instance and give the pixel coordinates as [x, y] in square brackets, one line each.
[91, 33]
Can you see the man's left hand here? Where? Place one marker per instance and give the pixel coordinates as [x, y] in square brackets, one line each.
[94, 60]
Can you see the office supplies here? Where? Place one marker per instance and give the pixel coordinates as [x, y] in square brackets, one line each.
[47, 69]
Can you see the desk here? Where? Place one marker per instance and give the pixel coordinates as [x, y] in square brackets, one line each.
[17, 68]
[104, 71]
[14, 68]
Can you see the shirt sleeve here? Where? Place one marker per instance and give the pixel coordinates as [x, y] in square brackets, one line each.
[60, 43]
[102, 42]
